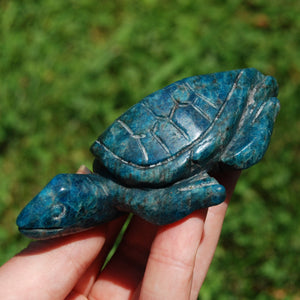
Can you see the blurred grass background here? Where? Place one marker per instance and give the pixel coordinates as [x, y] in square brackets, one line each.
[69, 68]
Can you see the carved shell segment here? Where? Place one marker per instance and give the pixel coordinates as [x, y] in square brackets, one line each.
[167, 121]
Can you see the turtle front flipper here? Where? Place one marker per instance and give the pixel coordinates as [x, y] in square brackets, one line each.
[253, 135]
[166, 205]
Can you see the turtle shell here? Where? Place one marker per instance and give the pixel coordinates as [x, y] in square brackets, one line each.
[152, 141]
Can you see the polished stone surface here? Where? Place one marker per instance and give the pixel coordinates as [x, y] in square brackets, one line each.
[154, 160]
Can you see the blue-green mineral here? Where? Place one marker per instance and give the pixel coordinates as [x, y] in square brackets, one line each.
[155, 160]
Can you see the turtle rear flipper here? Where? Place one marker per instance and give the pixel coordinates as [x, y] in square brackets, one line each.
[167, 205]
[253, 136]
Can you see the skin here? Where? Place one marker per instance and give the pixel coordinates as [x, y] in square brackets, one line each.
[152, 262]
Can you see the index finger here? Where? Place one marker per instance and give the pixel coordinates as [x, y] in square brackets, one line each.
[50, 269]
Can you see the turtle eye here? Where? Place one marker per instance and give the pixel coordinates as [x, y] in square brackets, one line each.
[58, 211]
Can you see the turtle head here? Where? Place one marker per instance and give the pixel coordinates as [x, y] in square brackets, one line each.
[69, 203]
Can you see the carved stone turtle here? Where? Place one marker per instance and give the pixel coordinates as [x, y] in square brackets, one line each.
[156, 158]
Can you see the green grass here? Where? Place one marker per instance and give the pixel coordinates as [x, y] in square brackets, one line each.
[69, 68]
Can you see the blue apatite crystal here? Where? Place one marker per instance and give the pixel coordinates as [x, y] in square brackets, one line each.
[155, 160]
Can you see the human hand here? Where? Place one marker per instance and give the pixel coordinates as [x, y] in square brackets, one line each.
[152, 262]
